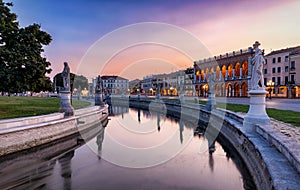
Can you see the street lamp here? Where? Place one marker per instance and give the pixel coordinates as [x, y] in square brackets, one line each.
[270, 84]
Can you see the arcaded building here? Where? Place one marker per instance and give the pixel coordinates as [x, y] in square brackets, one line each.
[231, 73]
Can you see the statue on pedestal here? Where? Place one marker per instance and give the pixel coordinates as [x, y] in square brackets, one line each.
[98, 92]
[257, 79]
[66, 77]
[65, 94]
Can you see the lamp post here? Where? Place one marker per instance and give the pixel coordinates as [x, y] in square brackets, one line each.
[270, 84]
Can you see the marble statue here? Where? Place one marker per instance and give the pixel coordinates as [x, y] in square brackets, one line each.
[66, 77]
[99, 84]
[257, 79]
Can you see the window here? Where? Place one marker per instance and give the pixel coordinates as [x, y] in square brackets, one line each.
[266, 61]
[273, 70]
[274, 60]
[278, 80]
[279, 59]
[292, 78]
[273, 79]
[265, 71]
[286, 58]
[278, 69]
[265, 81]
[286, 79]
[292, 64]
[286, 69]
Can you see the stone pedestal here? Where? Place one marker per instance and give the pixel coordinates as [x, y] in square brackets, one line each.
[65, 104]
[257, 112]
[211, 102]
[98, 99]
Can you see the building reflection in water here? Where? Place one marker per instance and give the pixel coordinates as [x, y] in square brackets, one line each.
[117, 110]
[181, 128]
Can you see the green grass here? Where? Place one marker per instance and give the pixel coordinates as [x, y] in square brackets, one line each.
[77, 104]
[285, 116]
[13, 107]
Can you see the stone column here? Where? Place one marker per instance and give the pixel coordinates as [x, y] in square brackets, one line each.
[241, 72]
[233, 73]
[257, 112]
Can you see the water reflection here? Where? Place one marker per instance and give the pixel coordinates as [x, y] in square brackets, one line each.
[69, 164]
[40, 167]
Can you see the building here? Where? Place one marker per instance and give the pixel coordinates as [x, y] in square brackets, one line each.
[232, 73]
[114, 85]
[170, 84]
[294, 74]
[280, 68]
[188, 82]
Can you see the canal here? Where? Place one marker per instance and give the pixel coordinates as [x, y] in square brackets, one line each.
[136, 150]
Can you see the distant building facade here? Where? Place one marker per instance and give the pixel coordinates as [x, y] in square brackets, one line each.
[280, 68]
[114, 85]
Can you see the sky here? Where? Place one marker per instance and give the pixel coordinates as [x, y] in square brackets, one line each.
[110, 37]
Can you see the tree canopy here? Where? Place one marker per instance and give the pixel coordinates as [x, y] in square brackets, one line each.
[75, 81]
[22, 67]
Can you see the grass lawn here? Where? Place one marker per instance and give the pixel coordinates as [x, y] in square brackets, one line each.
[12, 107]
[285, 116]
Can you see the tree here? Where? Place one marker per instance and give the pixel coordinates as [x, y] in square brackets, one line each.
[22, 68]
[75, 81]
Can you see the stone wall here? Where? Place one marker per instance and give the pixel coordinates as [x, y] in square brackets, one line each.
[32, 132]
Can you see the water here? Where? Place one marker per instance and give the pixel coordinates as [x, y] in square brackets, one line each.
[135, 151]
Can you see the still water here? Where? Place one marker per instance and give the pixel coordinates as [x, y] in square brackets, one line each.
[136, 150]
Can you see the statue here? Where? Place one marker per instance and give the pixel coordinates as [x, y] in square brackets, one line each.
[257, 79]
[66, 77]
[99, 84]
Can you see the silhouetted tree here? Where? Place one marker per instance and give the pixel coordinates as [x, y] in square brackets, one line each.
[22, 68]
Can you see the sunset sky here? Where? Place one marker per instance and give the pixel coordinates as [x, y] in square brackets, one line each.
[76, 26]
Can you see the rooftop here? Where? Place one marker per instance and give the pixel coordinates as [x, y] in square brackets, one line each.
[286, 50]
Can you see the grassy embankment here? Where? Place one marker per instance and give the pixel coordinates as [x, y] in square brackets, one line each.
[13, 107]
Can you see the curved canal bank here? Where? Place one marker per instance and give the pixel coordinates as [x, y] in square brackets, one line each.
[272, 160]
[68, 164]
[24, 133]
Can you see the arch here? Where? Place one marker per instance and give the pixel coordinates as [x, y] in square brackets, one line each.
[217, 90]
[244, 89]
[236, 89]
[212, 70]
[245, 68]
[237, 69]
[229, 90]
[223, 90]
[223, 71]
[229, 68]
[218, 72]
[197, 74]
[202, 74]
[206, 73]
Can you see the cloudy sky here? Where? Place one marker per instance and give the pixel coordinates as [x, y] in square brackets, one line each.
[76, 27]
